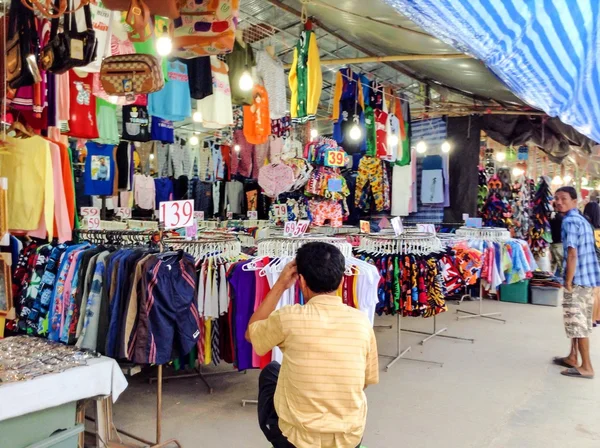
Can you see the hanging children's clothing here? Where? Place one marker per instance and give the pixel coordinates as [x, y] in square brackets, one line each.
[82, 119]
[100, 169]
[173, 101]
[216, 109]
[270, 70]
[136, 124]
[305, 78]
[348, 107]
[257, 124]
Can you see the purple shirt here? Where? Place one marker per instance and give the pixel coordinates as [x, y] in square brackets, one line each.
[243, 285]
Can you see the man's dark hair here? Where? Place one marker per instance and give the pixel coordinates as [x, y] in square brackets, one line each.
[569, 190]
[322, 265]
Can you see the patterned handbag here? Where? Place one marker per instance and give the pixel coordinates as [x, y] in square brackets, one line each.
[205, 27]
[131, 74]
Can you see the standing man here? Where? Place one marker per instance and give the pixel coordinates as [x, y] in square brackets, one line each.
[582, 275]
[316, 397]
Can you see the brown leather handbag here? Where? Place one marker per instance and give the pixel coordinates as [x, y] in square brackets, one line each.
[131, 74]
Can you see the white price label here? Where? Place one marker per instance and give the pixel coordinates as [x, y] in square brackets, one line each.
[199, 216]
[90, 212]
[427, 228]
[397, 225]
[280, 210]
[252, 214]
[93, 222]
[124, 212]
[295, 229]
[175, 214]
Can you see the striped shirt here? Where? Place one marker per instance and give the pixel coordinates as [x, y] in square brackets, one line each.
[577, 233]
[330, 355]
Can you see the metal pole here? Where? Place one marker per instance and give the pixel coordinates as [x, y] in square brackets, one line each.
[481, 313]
[159, 406]
[438, 333]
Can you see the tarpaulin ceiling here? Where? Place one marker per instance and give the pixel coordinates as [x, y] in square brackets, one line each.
[546, 52]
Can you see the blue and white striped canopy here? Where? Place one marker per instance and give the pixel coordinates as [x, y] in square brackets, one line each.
[545, 51]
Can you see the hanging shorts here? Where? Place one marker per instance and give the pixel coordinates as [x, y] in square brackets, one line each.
[578, 308]
[322, 210]
[172, 313]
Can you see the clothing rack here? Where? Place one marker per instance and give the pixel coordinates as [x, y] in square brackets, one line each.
[208, 243]
[419, 243]
[132, 237]
[495, 234]
[287, 246]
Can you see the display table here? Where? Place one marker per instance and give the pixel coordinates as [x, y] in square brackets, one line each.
[32, 411]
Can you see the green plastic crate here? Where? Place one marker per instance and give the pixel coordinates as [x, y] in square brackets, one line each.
[515, 292]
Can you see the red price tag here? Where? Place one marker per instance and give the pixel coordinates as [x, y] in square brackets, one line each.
[199, 216]
[280, 210]
[295, 229]
[93, 222]
[252, 214]
[289, 228]
[175, 214]
[301, 228]
[336, 158]
[90, 211]
[124, 212]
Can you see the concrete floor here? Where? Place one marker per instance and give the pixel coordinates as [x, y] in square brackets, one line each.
[499, 392]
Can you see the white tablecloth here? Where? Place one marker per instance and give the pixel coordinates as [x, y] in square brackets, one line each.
[102, 376]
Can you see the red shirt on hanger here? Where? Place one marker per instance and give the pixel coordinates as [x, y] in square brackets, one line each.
[82, 120]
[380, 129]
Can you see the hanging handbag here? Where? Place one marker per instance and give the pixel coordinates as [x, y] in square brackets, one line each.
[130, 74]
[21, 41]
[205, 28]
[71, 48]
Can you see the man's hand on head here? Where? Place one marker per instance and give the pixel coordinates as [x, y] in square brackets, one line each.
[289, 275]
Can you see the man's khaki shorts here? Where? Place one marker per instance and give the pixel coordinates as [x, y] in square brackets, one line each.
[578, 306]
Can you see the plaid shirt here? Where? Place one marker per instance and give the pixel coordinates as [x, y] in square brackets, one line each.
[578, 233]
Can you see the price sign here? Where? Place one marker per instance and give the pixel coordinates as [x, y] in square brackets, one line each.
[124, 212]
[199, 216]
[280, 210]
[427, 228]
[289, 228]
[336, 158]
[229, 215]
[301, 227]
[474, 222]
[175, 214]
[252, 214]
[365, 227]
[465, 216]
[397, 225]
[93, 222]
[90, 212]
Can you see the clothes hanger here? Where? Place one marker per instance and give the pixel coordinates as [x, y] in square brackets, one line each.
[21, 130]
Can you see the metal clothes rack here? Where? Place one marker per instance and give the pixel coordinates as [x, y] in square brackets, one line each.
[134, 237]
[207, 243]
[495, 234]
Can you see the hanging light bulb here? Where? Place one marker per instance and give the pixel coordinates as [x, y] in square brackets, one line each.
[194, 140]
[197, 116]
[164, 45]
[517, 171]
[501, 156]
[355, 132]
[446, 146]
[246, 81]
[392, 140]
[422, 147]
[567, 179]
[151, 156]
[314, 133]
[557, 180]
[236, 148]
[584, 181]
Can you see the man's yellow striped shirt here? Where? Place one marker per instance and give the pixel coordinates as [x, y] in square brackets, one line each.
[330, 355]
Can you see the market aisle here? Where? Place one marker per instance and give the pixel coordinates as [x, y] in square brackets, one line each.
[499, 392]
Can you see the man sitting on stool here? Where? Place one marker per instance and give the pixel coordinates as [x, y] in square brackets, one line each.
[315, 398]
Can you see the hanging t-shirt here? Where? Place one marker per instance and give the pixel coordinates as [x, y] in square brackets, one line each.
[82, 107]
[162, 130]
[240, 59]
[136, 124]
[108, 128]
[200, 76]
[99, 177]
[216, 109]
[257, 124]
[123, 162]
[271, 72]
[102, 19]
[173, 102]
[381, 119]
[163, 189]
